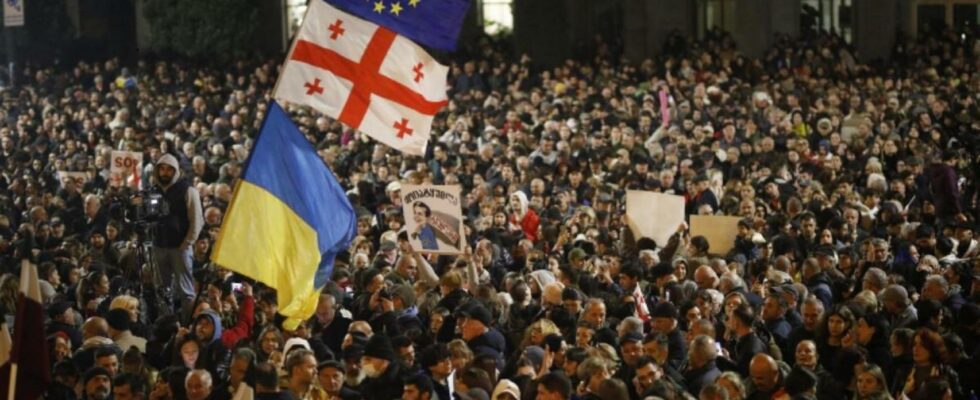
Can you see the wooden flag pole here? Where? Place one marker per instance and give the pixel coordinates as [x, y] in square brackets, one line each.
[13, 381]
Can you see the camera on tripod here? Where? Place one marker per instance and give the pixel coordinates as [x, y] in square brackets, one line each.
[146, 206]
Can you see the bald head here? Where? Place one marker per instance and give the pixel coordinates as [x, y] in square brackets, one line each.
[764, 372]
[95, 326]
[705, 277]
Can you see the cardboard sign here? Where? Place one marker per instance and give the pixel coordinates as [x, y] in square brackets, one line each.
[654, 215]
[433, 218]
[13, 12]
[126, 169]
[78, 178]
[720, 230]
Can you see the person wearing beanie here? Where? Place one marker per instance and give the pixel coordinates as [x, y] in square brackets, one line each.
[479, 333]
[383, 372]
[506, 390]
[177, 231]
[664, 321]
[801, 383]
[97, 384]
[119, 330]
[62, 319]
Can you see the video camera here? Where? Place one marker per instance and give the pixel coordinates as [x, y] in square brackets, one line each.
[147, 206]
[141, 208]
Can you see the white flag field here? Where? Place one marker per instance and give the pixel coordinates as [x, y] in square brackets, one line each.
[366, 76]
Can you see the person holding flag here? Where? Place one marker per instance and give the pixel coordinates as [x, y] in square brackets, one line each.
[288, 219]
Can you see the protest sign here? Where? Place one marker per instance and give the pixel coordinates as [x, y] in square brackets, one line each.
[720, 230]
[126, 169]
[78, 178]
[654, 215]
[433, 218]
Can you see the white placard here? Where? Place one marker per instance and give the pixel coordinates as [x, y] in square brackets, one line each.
[433, 218]
[13, 12]
[654, 215]
[126, 169]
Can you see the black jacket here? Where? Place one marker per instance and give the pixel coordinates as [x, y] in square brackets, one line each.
[492, 343]
[745, 348]
[387, 386]
[332, 335]
[780, 330]
[676, 348]
[820, 286]
[696, 379]
[450, 302]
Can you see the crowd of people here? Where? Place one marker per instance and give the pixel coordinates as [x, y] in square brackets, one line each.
[855, 272]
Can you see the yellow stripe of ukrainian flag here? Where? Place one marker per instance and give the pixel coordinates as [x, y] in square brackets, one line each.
[260, 236]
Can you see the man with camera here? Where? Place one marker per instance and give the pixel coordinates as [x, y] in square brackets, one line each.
[176, 231]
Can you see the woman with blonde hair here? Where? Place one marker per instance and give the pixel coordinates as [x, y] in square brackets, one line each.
[535, 333]
[460, 354]
[733, 384]
[871, 384]
[128, 303]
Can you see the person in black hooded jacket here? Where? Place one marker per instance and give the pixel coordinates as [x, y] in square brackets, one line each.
[213, 355]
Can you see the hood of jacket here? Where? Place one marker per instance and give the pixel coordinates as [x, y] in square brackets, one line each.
[216, 321]
[170, 160]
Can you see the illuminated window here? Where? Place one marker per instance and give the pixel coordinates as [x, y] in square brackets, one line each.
[295, 11]
[498, 16]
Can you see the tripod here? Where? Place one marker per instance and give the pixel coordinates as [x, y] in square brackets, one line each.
[149, 282]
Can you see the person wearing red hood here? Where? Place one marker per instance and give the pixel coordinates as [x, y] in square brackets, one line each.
[523, 216]
[177, 231]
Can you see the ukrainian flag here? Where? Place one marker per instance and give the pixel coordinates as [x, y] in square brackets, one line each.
[288, 219]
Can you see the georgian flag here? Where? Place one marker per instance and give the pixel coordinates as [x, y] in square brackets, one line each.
[640, 302]
[366, 76]
[26, 372]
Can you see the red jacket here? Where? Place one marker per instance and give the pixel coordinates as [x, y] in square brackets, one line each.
[243, 329]
[530, 224]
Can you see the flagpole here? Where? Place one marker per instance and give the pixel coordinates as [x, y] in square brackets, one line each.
[13, 381]
[292, 46]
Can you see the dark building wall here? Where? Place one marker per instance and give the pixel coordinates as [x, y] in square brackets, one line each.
[542, 28]
[647, 23]
[555, 30]
[875, 25]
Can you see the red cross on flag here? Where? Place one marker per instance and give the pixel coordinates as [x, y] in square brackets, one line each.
[366, 76]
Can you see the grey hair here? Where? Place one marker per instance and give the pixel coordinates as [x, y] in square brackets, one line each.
[204, 374]
[704, 348]
[590, 367]
[632, 324]
[877, 277]
[938, 280]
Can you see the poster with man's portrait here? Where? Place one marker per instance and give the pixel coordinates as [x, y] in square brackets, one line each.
[433, 218]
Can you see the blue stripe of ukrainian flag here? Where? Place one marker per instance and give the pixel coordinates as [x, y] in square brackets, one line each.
[288, 220]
